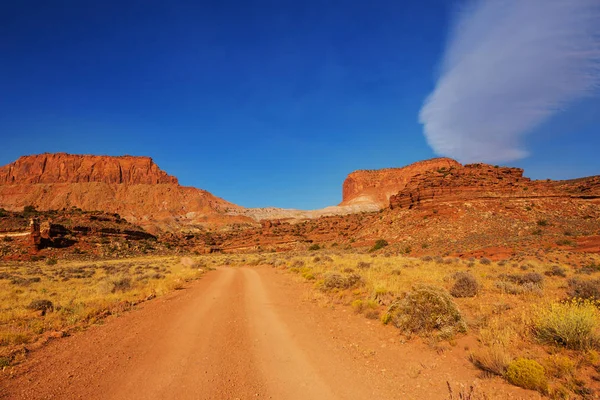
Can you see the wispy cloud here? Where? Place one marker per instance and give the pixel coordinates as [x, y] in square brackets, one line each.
[509, 65]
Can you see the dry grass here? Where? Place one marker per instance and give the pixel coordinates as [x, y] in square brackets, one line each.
[39, 298]
[501, 316]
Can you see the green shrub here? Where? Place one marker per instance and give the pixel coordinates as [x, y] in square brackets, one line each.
[528, 374]
[51, 261]
[571, 324]
[465, 285]
[380, 244]
[29, 210]
[358, 306]
[308, 276]
[542, 222]
[424, 310]
[314, 247]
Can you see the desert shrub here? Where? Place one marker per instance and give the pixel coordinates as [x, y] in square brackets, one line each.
[494, 359]
[542, 222]
[559, 366]
[396, 271]
[367, 306]
[297, 264]
[485, 261]
[314, 247]
[363, 265]
[426, 258]
[29, 209]
[465, 285]
[508, 288]
[528, 374]
[353, 280]
[3, 212]
[426, 309]
[379, 244]
[584, 289]
[522, 279]
[358, 306]
[518, 288]
[336, 281]
[42, 305]
[51, 261]
[121, 284]
[589, 269]
[573, 324]
[556, 270]
[309, 276]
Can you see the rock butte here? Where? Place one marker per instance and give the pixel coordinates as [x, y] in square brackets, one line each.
[377, 186]
[134, 187]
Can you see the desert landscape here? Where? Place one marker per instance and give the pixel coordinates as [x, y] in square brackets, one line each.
[300, 200]
[433, 280]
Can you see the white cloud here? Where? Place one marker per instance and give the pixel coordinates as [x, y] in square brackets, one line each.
[510, 65]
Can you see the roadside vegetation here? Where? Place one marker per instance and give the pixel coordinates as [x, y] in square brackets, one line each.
[536, 325]
[45, 299]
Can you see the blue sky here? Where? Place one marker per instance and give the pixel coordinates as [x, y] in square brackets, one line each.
[263, 103]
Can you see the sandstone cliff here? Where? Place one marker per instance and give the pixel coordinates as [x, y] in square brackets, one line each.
[69, 168]
[133, 187]
[376, 186]
[487, 182]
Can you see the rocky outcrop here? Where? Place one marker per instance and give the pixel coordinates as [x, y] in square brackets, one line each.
[486, 182]
[376, 186]
[69, 168]
[133, 187]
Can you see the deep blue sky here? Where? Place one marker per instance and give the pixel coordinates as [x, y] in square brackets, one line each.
[263, 103]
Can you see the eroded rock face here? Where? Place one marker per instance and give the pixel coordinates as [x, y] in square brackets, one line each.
[69, 168]
[377, 186]
[134, 187]
[486, 182]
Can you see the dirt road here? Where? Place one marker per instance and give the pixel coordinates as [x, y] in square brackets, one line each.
[239, 333]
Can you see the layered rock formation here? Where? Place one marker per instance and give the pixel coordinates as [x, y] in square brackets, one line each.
[486, 182]
[375, 187]
[134, 187]
[69, 168]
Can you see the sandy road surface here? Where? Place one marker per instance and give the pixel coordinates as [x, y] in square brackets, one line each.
[238, 333]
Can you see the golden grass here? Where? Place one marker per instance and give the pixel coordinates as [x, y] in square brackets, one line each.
[36, 298]
[501, 317]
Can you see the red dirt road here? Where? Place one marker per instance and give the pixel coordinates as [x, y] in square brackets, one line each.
[241, 333]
